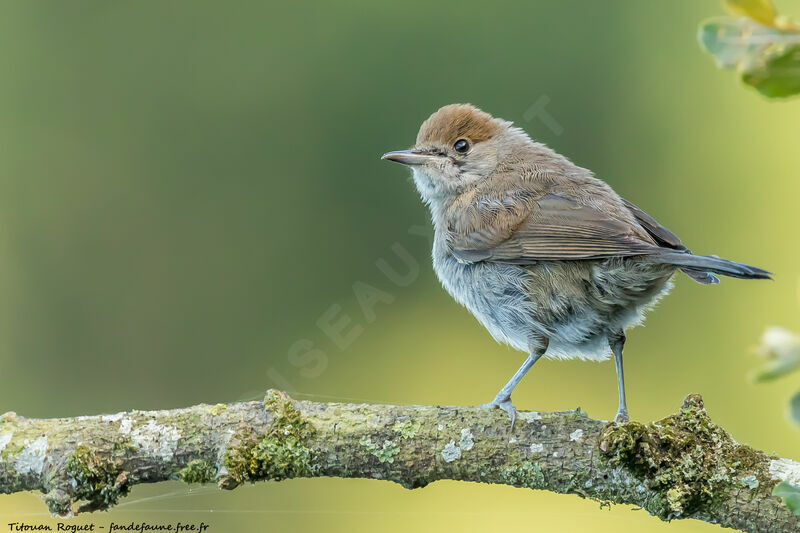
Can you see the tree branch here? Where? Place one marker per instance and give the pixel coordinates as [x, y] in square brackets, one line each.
[683, 466]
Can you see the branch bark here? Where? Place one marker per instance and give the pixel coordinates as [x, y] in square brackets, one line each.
[683, 466]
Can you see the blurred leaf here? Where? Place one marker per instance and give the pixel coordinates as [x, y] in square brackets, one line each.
[780, 77]
[794, 407]
[778, 342]
[776, 369]
[759, 10]
[782, 349]
[767, 57]
[789, 494]
[738, 43]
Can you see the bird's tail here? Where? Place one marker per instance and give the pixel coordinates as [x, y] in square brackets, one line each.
[701, 267]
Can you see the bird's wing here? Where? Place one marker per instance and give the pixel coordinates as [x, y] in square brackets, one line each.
[551, 227]
[660, 234]
[666, 239]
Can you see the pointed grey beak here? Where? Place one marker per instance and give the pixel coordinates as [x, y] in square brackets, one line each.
[409, 157]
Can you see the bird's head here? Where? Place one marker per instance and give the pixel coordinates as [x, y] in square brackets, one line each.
[457, 146]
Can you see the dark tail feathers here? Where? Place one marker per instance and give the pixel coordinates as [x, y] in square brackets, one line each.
[700, 267]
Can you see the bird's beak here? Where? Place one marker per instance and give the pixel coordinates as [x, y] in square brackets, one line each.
[409, 157]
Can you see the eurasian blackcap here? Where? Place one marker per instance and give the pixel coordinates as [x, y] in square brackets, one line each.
[547, 257]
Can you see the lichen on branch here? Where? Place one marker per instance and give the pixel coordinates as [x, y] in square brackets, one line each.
[682, 466]
[689, 463]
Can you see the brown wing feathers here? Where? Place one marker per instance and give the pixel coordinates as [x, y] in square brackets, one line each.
[662, 235]
[667, 239]
[552, 227]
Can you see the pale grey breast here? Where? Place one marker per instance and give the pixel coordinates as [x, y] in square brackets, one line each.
[496, 293]
[572, 304]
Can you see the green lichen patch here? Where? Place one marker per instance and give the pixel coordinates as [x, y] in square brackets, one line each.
[525, 474]
[407, 429]
[749, 481]
[12, 449]
[273, 457]
[123, 448]
[197, 471]
[279, 454]
[217, 409]
[286, 418]
[9, 417]
[575, 414]
[101, 481]
[384, 453]
[690, 462]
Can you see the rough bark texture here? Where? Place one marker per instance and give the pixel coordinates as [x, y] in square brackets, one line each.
[683, 466]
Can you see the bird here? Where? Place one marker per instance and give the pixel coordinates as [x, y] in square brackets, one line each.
[547, 257]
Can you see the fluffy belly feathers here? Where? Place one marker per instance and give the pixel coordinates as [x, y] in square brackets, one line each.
[573, 304]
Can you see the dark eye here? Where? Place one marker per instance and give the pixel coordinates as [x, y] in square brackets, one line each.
[461, 146]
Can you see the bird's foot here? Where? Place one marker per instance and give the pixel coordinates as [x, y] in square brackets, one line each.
[621, 416]
[505, 404]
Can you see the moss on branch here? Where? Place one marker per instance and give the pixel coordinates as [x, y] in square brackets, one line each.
[690, 464]
[682, 466]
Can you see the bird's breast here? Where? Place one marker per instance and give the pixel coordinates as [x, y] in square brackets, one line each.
[497, 294]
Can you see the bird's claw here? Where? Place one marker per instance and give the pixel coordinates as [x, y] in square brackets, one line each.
[504, 404]
[621, 417]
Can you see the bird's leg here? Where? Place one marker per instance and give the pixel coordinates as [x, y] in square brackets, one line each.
[503, 398]
[617, 342]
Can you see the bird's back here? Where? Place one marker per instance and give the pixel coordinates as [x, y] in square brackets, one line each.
[572, 303]
[539, 171]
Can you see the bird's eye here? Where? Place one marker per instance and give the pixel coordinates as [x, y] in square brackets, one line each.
[461, 146]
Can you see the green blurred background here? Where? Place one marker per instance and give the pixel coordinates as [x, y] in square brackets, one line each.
[186, 187]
